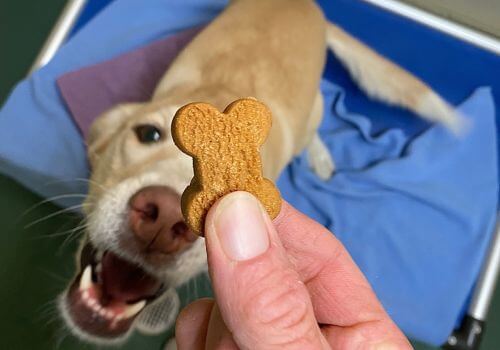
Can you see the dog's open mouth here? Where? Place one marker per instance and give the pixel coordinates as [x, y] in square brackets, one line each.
[109, 293]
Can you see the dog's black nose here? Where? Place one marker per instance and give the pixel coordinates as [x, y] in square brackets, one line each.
[156, 220]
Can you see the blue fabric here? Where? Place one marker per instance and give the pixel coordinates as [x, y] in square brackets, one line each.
[415, 213]
[91, 9]
[413, 205]
[450, 66]
[39, 144]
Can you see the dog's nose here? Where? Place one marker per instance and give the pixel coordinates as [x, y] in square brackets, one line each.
[156, 220]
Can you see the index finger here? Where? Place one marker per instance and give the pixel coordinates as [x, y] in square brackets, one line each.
[340, 293]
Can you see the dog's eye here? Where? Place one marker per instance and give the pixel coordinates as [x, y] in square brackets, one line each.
[148, 133]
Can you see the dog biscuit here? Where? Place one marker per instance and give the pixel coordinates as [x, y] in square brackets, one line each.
[225, 151]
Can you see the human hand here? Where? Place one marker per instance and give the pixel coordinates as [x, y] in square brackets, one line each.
[287, 284]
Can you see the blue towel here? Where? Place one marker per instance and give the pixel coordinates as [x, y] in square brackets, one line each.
[39, 144]
[415, 211]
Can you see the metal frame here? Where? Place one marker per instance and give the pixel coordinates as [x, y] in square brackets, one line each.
[59, 32]
[481, 299]
[459, 31]
[468, 336]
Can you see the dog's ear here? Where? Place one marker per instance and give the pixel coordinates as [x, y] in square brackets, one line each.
[106, 126]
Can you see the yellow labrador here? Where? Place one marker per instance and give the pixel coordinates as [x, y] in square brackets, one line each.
[137, 249]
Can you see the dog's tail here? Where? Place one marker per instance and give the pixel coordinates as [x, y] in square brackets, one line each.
[387, 82]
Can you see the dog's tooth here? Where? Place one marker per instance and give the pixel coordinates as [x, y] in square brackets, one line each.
[86, 279]
[134, 309]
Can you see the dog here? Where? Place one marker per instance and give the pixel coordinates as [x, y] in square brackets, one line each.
[137, 249]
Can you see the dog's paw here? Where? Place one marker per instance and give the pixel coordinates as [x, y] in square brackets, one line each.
[160, 316]
[320, 159]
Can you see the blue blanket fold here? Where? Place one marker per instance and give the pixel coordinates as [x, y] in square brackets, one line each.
[407, 208]
[415, 210]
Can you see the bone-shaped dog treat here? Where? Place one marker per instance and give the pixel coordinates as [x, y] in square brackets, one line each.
[225, 150]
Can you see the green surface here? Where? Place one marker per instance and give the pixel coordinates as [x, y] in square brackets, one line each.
[36, 264]
[36, 261]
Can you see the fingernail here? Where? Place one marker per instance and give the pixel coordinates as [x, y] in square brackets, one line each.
[240, 227]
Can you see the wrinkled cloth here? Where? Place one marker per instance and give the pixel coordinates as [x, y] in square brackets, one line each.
[133, 77]
[415, 210]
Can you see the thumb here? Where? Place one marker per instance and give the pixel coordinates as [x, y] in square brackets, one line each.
[261, 298]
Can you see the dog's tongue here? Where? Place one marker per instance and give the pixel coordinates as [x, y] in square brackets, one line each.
[126, 282]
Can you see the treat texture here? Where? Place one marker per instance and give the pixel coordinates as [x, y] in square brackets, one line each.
[225, 150]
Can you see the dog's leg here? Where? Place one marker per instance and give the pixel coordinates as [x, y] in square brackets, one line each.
[161, 315]
[320, 159]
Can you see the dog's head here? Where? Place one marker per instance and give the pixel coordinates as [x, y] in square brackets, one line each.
[137, 247]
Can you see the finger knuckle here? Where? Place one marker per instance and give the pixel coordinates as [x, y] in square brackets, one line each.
[279, 302]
